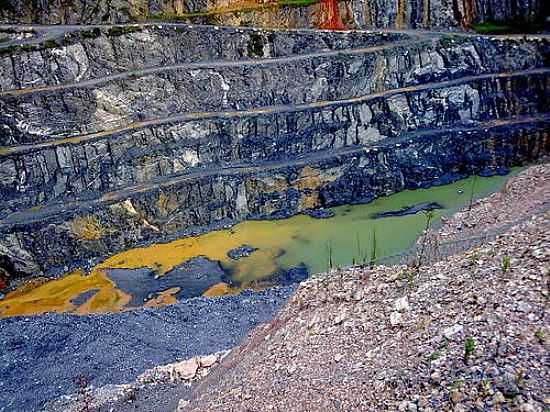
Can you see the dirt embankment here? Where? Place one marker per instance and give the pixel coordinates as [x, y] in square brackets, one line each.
[467, 333]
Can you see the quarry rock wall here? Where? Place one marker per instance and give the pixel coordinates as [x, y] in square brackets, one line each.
[354, 13]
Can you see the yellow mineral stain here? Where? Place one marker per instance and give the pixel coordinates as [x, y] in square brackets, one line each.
[166, 297]
[400, 18]
[56, 296]
[221, 289]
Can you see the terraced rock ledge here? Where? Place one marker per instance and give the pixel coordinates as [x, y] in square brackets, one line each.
[119, 136]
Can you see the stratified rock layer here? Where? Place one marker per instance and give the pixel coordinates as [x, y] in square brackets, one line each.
[356, 13]
[136, 143]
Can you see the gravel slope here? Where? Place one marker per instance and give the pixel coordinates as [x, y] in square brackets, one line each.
[40, 356]
[467, 333]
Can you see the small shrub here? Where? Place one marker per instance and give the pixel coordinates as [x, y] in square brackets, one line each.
[539, 334]
[6, 51]
[505, 265]
[408, 276]
[122, 30]
[469, 347]
[50, 44]
[91, 34]
[435, 355]
[5, 5]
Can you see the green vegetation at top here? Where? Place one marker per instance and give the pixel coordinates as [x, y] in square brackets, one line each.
[67, 40]
[508, 27]
[297, 3]
[5, 5]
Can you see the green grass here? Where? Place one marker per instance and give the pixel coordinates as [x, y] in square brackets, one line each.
[505, 265]
[508, 27]
[469, 347]
[297, 3]
[491, 28]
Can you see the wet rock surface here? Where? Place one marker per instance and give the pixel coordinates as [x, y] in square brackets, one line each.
[192, 278]
[42, 355]
[410, 210]
[241, 252]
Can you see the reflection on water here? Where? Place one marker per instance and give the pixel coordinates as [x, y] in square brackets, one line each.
[281, 245]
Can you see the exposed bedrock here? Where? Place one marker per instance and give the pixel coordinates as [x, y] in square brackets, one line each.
[82, 168]
[84, 108]
[441, 13]
[356, 13]
[75, 232]
[70, 55]
[91, 11]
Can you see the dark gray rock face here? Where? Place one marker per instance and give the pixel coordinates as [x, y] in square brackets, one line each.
[60, 57]
[443, 13]
[410, 210]
[360, 13]
[349, 175]
[69, 171]
[241, 252]
[90, 108]
[91, 11]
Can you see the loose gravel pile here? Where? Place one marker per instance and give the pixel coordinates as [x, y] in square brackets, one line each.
[40, 356]
[467, 333]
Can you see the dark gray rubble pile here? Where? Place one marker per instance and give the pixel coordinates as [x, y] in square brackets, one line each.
[42, 355]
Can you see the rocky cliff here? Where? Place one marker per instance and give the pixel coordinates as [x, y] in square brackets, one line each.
[354, 13]
[117, 136]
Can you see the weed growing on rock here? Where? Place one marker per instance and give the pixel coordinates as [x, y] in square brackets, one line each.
[469, 347]
[82, 382]
[417, 263]
[373, 248]
[539, 334]
[505, 265]
[436, 354]
[472, 192]
[329, 254]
